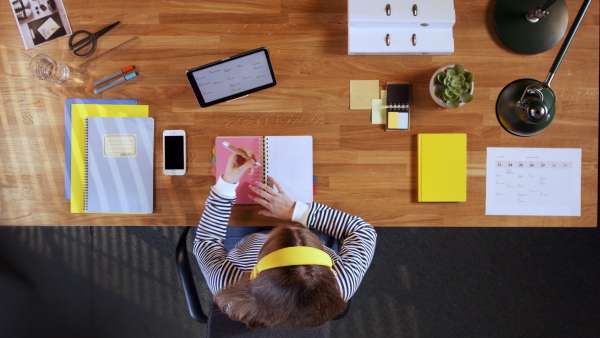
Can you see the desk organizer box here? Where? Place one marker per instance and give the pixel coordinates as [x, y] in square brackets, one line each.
[400, 27]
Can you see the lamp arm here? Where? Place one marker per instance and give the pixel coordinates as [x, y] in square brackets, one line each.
[567, 42]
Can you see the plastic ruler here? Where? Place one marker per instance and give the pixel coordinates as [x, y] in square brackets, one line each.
[111, 53]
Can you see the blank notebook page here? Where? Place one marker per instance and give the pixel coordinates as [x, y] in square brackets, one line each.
[290, 162]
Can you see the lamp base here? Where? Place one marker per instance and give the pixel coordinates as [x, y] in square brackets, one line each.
[518, 121]
[527, 37]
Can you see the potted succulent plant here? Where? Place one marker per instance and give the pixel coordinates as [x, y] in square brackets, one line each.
[451, 86]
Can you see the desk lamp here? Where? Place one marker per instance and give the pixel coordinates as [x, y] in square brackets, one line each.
[525, 107]
[527, 27]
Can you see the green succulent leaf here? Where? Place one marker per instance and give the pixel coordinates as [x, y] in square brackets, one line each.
[450, 72]
[466, 97]
[466, 87]
[469, 77]
[449, 95]
[438, 90]
[459, 69]
[456, 81]
[452, 104]
[456, 91]
[439, 79]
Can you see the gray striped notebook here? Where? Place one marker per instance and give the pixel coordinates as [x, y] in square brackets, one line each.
[119, 172]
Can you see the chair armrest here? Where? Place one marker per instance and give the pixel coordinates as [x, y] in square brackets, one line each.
[187, 278]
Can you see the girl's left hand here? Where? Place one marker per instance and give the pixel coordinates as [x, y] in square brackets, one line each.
[278, 203]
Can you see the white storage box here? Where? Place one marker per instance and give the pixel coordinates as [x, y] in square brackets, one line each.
[401, 13]
[400, 27]
[391, 41]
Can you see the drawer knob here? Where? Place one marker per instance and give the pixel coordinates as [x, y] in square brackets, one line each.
[415, 10]
[387, 39]
[388, 9]
[414, 39]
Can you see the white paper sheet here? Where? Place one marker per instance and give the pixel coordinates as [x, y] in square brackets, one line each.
[290, 162]
[533, 182]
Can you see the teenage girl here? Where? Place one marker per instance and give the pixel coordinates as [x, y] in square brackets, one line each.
[284, 277]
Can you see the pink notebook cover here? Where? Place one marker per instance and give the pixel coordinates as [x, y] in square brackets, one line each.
[287, 158]
[254, 144]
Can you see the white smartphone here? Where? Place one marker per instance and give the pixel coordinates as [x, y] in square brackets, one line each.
[174, 152]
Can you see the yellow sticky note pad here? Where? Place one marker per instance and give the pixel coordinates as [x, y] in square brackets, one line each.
[442, 167]
[362, 92]
[392, 120]
[377, 112]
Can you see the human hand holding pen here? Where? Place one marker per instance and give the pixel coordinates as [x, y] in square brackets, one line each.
[237, 165]
[278, 203]
[241, 153]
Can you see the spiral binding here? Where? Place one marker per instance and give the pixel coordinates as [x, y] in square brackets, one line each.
[399, 107]
[85, 170]
[264, 146]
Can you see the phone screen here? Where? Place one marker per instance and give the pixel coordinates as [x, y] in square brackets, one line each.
[174, 152]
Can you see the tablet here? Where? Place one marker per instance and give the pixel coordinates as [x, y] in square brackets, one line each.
[232, 78]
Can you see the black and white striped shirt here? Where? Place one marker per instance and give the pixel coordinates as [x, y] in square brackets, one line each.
[221, 268]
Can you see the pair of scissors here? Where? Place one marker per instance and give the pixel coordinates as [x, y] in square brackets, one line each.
[89, 39]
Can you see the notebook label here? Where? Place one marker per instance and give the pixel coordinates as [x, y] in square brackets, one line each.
[119, 146]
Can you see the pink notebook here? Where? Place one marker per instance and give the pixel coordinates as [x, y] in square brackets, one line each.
[286, 158]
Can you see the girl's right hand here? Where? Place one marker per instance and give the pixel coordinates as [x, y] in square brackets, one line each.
[237, 166]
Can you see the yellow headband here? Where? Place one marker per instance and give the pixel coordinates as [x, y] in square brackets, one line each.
[293, 255]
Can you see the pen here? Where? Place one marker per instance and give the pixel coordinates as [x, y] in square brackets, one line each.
[116, 82]
[112, 76]
[239, 152]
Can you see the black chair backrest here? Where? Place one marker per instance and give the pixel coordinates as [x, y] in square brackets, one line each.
[187, 278]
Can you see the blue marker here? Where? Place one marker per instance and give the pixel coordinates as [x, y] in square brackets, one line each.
[116, 82]
[112, 76]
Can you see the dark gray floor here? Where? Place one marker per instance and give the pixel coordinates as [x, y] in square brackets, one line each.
[424, 282]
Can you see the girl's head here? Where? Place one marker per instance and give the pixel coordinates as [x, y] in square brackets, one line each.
[290, 296]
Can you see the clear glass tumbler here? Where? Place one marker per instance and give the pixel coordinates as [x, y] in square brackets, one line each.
[43, 67]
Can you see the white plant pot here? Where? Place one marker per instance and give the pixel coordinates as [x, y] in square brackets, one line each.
[437, 99]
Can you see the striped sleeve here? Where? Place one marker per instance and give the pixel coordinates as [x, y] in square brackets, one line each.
[209, 247]
[358, 244]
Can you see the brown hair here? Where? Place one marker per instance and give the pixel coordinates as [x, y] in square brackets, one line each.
[290, 296]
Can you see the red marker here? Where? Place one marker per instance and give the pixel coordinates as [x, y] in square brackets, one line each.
[112, 76]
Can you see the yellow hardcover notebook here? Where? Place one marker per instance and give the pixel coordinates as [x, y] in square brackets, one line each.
[442, 167]
[79, 113]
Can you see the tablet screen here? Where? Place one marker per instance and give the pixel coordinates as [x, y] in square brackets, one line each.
[233, 77]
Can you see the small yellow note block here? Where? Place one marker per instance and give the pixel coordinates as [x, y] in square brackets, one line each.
[362, 92]
[397, 120]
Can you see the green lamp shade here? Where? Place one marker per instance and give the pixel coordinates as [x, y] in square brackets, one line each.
[525, 114]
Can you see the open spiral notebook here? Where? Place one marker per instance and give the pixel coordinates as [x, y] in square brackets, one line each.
[288, 159]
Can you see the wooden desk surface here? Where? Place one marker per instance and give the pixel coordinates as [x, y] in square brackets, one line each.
[360, 168]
